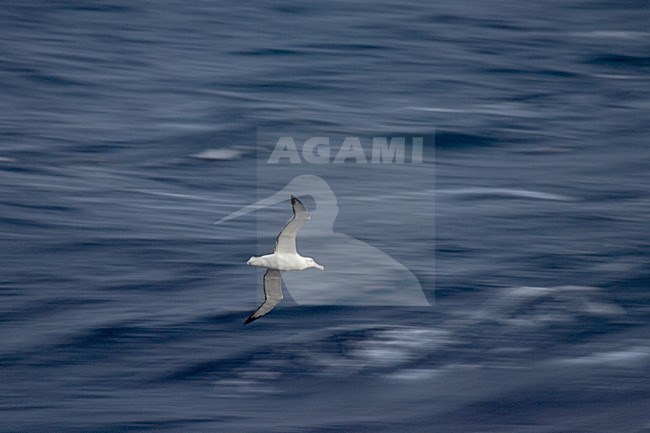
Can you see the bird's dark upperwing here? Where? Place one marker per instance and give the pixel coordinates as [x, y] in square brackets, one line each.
[286, 241]
[272, 294]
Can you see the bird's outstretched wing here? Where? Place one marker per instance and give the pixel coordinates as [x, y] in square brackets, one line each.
[272, 294]
[286, 241]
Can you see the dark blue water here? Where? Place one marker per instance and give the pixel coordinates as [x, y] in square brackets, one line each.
[128, 128]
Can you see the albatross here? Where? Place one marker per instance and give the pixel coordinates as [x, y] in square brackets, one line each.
[285, 257]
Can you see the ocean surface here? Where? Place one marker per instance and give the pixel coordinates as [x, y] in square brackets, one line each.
[127, 129]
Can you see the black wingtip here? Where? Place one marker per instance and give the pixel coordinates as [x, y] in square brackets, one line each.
[250, 319]
[293, 199]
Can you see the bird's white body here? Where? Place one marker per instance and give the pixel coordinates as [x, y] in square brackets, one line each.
[284, 262]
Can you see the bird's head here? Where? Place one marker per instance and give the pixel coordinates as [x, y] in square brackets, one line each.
[312, 264]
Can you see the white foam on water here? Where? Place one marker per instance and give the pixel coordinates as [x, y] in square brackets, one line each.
[219, 154]
[623, 358]
[611, 34]
[534, 307]
[507, 192]
[620, 77]
[508, 110]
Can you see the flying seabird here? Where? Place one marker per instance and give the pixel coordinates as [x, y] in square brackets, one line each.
[284, 258]
[379, 279]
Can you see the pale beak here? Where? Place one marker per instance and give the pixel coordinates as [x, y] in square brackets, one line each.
[319, 267]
